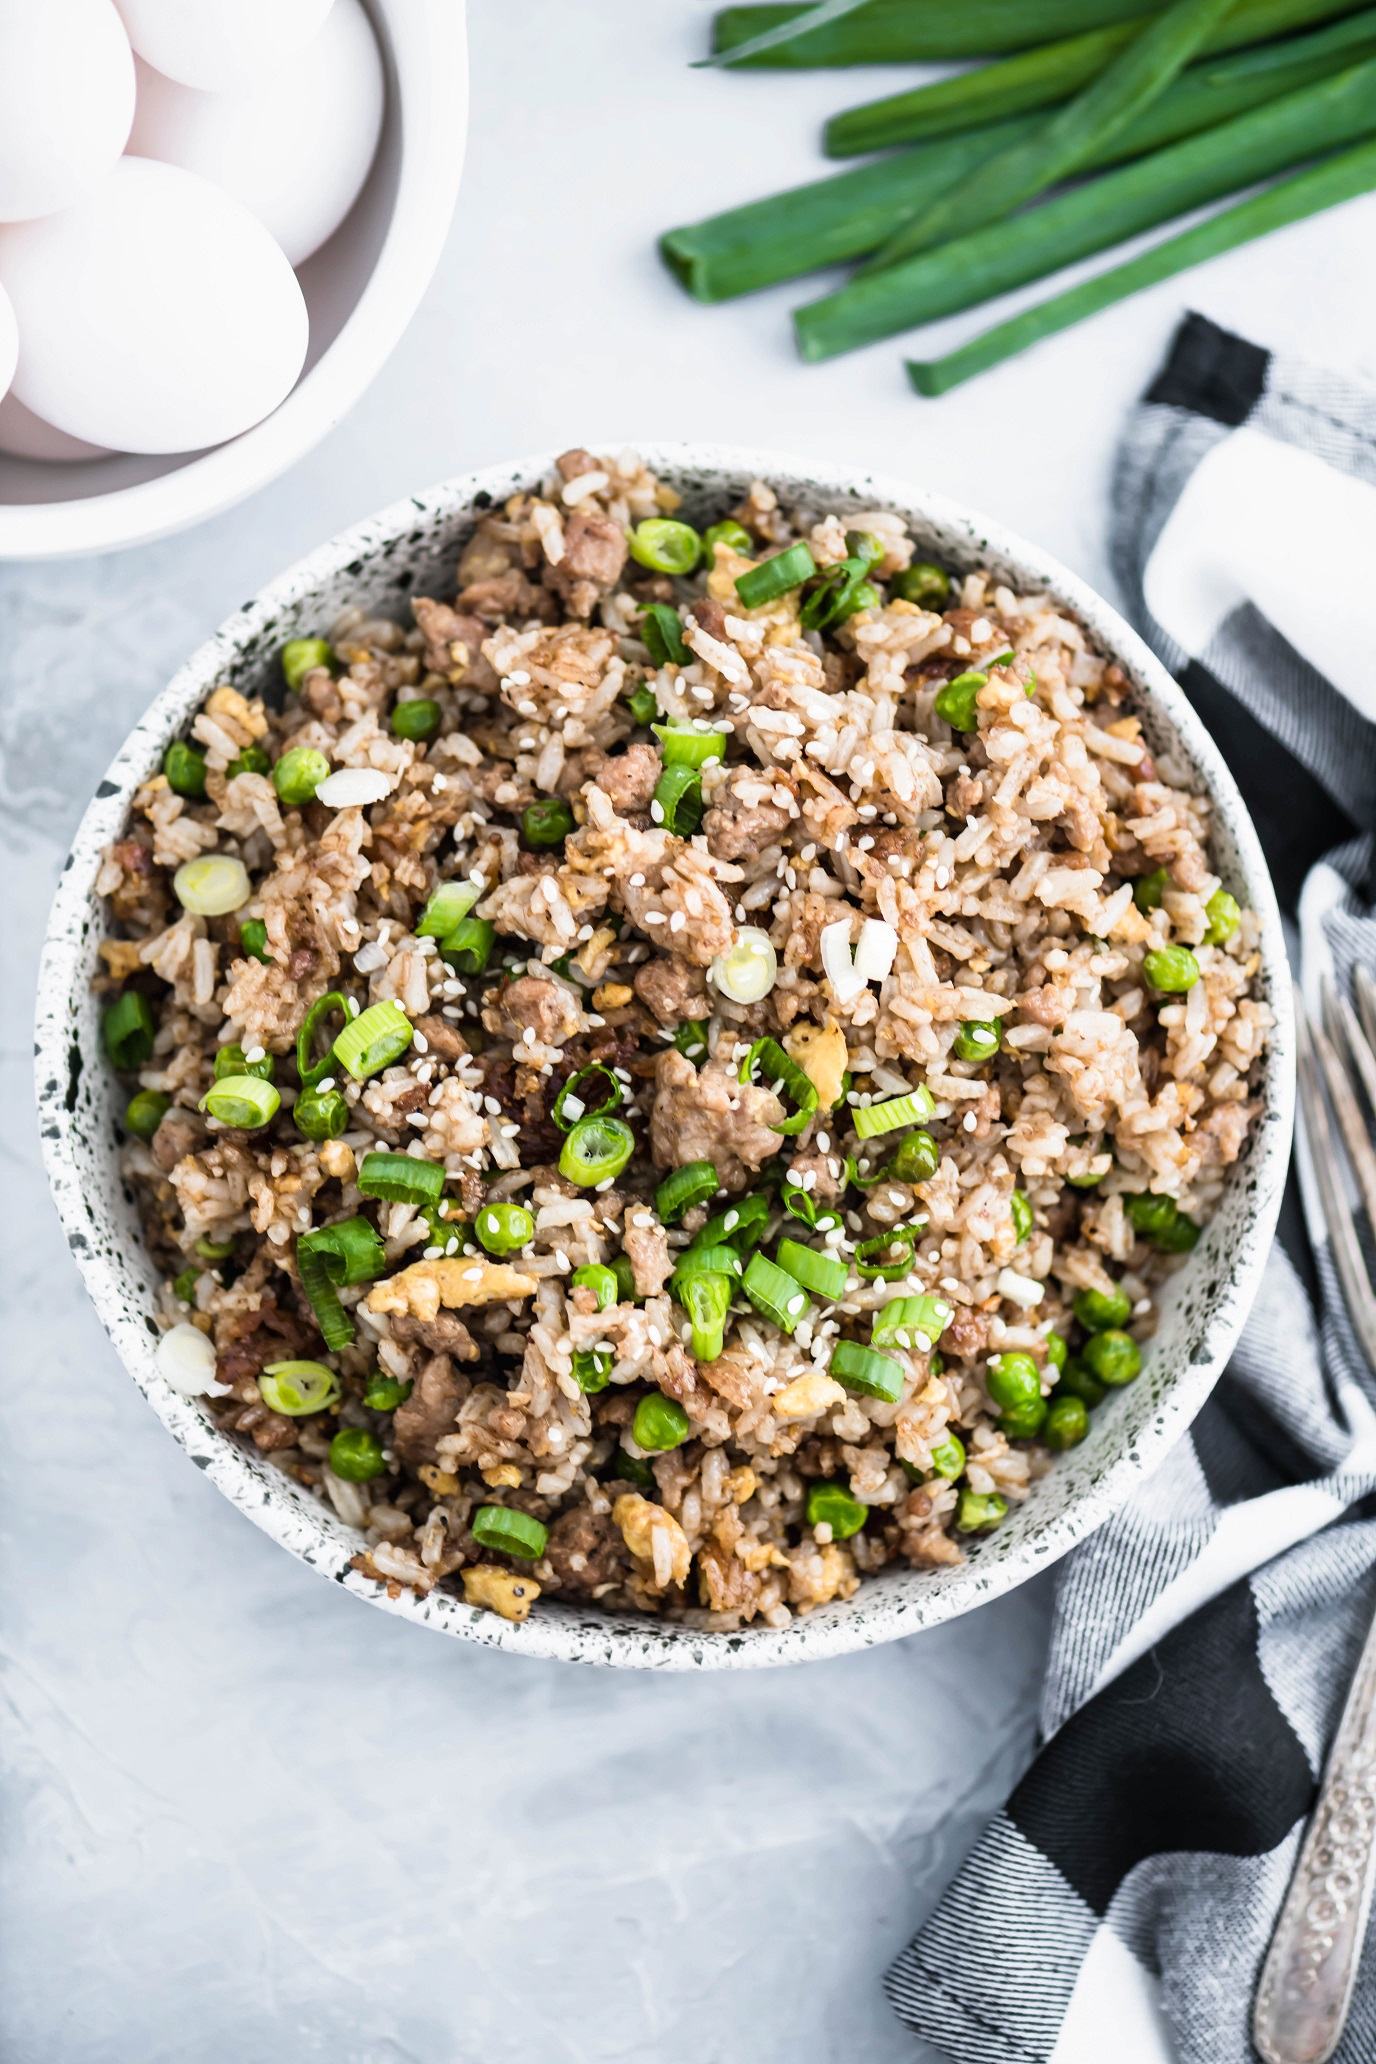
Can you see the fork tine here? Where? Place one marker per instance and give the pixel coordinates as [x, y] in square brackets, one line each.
[1342, 1233]
[1366, 1001]
[1344, 1030]
[1349, 1119]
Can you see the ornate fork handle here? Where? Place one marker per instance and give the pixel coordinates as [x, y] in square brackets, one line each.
[1311, 1966]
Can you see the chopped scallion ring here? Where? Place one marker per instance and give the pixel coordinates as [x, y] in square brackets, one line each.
[705, 1261]
[373, 1040]
[298, 1388]
[690, 1038]
[253, 940]
[128, 1028]
[596, 1151]
[677, 800]
[889, 1271]
[784, 1074]
[749, 970]
[245, 1101]
[446, 908]
[692, 1184]
[823, 1273]
[212, 886]
[469, 945]
[509, 1532]
[774, 1292]
[870, 1120]
[871, 1375]
[740, 1226]
[774, 577]
[664, 545]
[682, 747]
[642, 704]
[801, 1203]
[706, 1298]
[916, 1322]
[312, 1071]
[661, 630]
[336, 1254]
[573, 1092]
[400, 1179]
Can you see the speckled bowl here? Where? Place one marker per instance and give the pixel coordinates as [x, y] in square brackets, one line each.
[410, 549]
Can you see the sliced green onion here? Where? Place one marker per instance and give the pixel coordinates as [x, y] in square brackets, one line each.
[740, 1226]
[842, 591]
[253, 938]
[1020, 1211]
[215, 1250]
[948, 1456]
[145, 1112]
[875, 1271]
[504, 1228]
[783, 1074]
[692, 1184]
[184, 1286]
[862, 1182]
[509, 1532]
[334, 1255]
[400, 1179]
[727, 532]
[312, 1071]
[801, 1203]
[631, 1469]
[910, 1322]
[417, 719]
[320, 1117]
[299, 655]
[572, 1093]
[661, 630]
[831, 1504]
[957, 702]
[705, 1261]
[128, 1030]
[871, 1375]
[915, 1160]
[774, 1293]
[774, 577]
[298, 774]
[683, 747]
[446, 907]
[212, 886]
[184, 766]
[373, 1040]
[245, 1101]
[660, 1423]
[592, 1368]
[231, 1060]
[823, 1273]
[642, 704]
[624, 1272]
[749, 969]
[595, 1276]
[706, 1297]
[870, 1120]
[690, 1039]
[596, 1151]
[468, 946]
[677, 800]
[297, 1388]
[664, 545]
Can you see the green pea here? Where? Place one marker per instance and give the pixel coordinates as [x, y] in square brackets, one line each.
[547, 823]
[957, 701]
[725, 533]
[1057, 1353]
[976, 1041]
[976, 1514]
[145, 1112]
[642, 704]
[915, 1159]
[626, 1292]
[1114, 1357]
[1224, 917]
[1150, 1214]
[922, 583]
[1171, 969]
[1098, 1310]
[253, 938]
[1067, 1423]
[298, 774]
[1013, 1381]
[503, 1228]
[417, 719]
[1020, 1210]
[948, 1455]
[299, 655]
[184, 766]
[1179, 1236]
[229, 1060]
[1148, 889]
[660, 1423]
[1078, 1380]
[863, 544]
[320, 1115]
[831, 1504]
[1025, 1422]
[252, 760]
[356, 1455]
[665, 545]
[384, 1394]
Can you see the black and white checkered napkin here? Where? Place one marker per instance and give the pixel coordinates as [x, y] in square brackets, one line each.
[1204, 1638]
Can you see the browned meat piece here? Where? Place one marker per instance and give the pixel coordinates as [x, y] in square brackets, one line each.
[1047, 1006]
[648, 1249]
[737, 828]
[444, 1039]
[503, 596]
[964, 796]
[180, 1133]
[319, 693]
[1080, 822]
[1222, 1133]
[673, 989]
[827, 1172]
[986, 1111]
[724, 1583]
[629, 778]
[269, 1429]
[708, 1115]
[535, 1003]
[730, 1376]
[711, 616]
[675, 1371]
[594, 554]
[573, 464]
[586, 1551]
[247, 1341]
[429, 1412]
[445, 628]
[967, 1334]
[445, 1334]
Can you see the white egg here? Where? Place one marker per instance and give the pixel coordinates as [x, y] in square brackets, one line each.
[9, 341]
[23, 435]
[66, 101]
[219, 44]
[294, 147]
[157, 315]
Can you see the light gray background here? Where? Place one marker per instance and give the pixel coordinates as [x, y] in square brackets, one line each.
[245, 1818]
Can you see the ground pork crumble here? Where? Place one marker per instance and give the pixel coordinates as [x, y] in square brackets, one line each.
[1002, 909]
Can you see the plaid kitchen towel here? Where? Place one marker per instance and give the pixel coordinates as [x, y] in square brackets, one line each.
[1122, 1901]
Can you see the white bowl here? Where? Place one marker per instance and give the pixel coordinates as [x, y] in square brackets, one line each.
[362, 288]
[410, 549]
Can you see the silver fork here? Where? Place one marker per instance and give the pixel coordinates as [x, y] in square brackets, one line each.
[1311, 1967]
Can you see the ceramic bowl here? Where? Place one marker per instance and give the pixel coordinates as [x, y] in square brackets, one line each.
[410, 549]
[362, 288]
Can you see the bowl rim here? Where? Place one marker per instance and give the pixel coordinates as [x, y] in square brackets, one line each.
[561, 1630]
[430, 36]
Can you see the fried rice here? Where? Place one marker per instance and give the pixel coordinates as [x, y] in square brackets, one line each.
[954, 1002]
